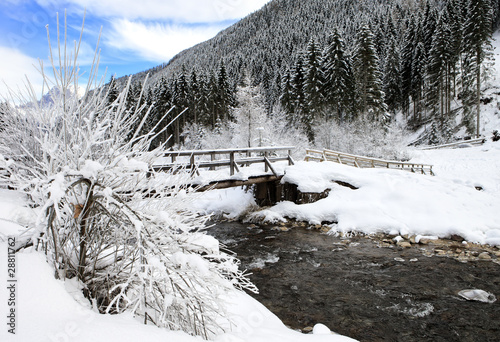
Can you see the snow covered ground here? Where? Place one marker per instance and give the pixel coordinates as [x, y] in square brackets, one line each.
[393, 201]
[49, 310]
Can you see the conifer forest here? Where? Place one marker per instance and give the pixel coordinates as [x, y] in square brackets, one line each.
[333, 63]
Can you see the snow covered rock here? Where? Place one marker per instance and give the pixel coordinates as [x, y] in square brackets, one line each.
[478, 295]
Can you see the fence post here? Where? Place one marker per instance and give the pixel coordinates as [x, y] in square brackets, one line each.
[191, 163]
[266, 168]
[231, 163]
[212, 158]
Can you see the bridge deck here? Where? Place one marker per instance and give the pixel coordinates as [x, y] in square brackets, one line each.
[242, 164]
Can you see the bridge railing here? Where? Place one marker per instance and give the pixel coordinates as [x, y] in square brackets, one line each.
[365, 162]
[458, 144]
[232, 158]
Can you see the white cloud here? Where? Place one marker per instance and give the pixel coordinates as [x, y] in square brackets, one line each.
[182, 11]
[14, 69]
[157, 42]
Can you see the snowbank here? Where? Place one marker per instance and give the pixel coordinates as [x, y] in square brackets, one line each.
[391, 201]
[474, 166]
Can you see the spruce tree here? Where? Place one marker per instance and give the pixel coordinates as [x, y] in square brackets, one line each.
[194, 96]
[477, 44]
[392, 77]
[113, 92]
[286, 98]
[407, 65]
[313, 80]
[368, 77]
[225, 98]
[302, 114]
[338, 77]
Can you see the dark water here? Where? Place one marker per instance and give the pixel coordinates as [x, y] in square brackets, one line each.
[364, 291]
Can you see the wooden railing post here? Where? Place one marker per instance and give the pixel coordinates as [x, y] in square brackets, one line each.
[191, 163]
[266, 168]
[290, 159]
[231, 163]
[212, 158]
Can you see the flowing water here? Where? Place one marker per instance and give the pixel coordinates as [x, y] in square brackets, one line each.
[360, 289]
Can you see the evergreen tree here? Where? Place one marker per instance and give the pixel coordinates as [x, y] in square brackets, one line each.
[417, 83]
[339, 79]
[163, 101]
[436, 71]
[286, 98]
[4, 111]
[194, 96]
[392, 77]
[113, 92]
[477, 45]
[314, 80]
[212, 99]
[225, 98]
[407, 65]
[301, 114]
[368, 77]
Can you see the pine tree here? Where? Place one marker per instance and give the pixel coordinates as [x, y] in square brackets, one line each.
[392, 77]
[417, 83]
[113, 92]
[194, 96]
[436, 71]
[368, 77]
[163, 101]
[407, 65]
[286, 98]
[212, 99]
[4, 111]
[298, 80]
[225, 98]
[339, 79]
[477, 45]
[313, 81]
[302, 114]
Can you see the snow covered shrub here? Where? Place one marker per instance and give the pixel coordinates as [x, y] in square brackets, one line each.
[122, 230]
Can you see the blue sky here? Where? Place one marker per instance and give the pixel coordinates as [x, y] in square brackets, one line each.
[136, 34]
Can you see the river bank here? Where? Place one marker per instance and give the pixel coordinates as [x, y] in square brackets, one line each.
[371, 288]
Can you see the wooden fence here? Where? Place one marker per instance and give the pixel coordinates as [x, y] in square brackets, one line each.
[458, 144]
[365, 162]
[232, 158]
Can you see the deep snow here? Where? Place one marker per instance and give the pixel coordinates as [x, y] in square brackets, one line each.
[391, 201]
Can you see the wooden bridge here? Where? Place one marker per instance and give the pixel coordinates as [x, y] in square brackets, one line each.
[365, 162]
[458, 144]
[234, 159]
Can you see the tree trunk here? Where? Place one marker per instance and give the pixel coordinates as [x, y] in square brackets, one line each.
[478, 93]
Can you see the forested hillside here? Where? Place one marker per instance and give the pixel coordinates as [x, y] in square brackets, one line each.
[335, 62]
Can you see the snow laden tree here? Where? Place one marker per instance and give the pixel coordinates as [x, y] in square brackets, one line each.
[369, 78]
[392, 77]
[106, 219]
[338, 87]
[249, 116]
[477, 35]
[313, 80]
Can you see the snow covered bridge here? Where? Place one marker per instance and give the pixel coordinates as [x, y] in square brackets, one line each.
[224, 168]
[366, 162]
